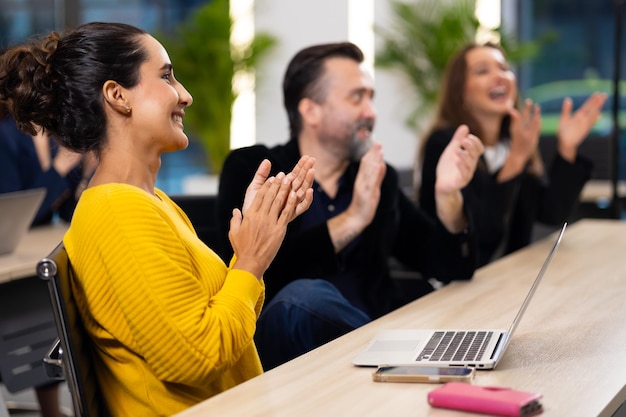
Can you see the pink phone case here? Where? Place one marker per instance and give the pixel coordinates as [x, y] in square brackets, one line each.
[488, 400]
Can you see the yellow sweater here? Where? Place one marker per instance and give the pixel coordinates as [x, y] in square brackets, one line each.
[171, 323]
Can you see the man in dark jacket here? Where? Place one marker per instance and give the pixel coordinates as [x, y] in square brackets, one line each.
[331, 274]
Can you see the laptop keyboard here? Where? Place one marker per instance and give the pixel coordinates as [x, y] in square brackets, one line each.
[455, 346]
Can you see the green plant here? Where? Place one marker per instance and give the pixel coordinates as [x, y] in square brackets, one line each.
[422, 36]
[206, 62]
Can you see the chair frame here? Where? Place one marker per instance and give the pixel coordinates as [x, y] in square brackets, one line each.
[71, 355]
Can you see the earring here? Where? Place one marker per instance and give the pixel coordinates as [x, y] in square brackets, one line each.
[127, 109]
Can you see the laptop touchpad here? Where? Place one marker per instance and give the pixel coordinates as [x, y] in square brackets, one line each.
[394, 345]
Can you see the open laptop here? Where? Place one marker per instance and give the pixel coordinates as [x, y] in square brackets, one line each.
[482, 348]
[17, 211]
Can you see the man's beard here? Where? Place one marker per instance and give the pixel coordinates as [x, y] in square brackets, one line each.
[359, 145]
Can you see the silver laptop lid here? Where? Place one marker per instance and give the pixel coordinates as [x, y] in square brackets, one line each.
[529, 296]
[404, 346]
[17, 211]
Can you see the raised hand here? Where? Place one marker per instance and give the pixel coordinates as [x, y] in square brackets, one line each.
[269, 205]
[525, 131]
[455, 170]
[260, 176]
[257, 236]
[344, 227]
[302, 175]
[574, 128]
[366, 193]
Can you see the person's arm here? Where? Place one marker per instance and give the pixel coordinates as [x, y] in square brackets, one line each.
[346, 226]
[237, 172]
[454, 171]
[59, 194]
[20, 169]
[271, 203]
[188, 327]
[10, 178]
[487, 201]
[425, 245]
[436, 142]
[574, 128]
[569, 171]
[525, 131]
[59, 171]
[560, 193]
[291, 261]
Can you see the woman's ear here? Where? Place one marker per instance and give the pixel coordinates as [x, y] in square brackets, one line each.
[115, 97]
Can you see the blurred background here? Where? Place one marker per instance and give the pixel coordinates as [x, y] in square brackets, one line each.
[231, 56]
[560, 48]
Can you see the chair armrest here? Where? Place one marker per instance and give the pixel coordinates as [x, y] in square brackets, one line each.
[53, 361]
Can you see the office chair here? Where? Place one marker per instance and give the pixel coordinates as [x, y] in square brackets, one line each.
[26, 331]
[71, 356]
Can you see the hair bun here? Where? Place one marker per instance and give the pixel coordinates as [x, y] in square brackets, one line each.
[27, 83]
[48, 47]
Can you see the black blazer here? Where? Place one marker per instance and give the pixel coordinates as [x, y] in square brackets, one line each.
[399, 229]
[504, 213]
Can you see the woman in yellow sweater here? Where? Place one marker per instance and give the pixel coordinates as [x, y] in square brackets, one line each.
[171, 323]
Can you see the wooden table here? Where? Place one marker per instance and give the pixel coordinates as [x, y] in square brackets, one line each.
[25, 303]
[570, 345]
[38, 242]
[601, 191]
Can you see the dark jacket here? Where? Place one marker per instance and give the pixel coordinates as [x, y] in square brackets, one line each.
[399, 229]
[504, 213]
[20, 170]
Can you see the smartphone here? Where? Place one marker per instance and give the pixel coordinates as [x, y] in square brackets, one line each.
[414, 373]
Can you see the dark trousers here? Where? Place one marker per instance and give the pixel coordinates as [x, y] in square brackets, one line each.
[305, 314]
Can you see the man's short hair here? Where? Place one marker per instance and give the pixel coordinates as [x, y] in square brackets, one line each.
[303, 75]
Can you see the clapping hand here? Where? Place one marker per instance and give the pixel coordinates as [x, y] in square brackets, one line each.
[525, 132]
[257, 231]
[455, 170]
[574, 128]
[457, 163]
[366, 193]
[303, 175]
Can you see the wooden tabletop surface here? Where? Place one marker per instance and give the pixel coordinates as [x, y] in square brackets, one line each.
[38, 243]
[570, 345]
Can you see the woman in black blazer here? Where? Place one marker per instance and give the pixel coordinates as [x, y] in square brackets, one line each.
[511, 188]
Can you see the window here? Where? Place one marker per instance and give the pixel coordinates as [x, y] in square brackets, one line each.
[579, 59]
[20, 19]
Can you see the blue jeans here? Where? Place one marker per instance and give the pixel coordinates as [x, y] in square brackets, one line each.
[303, 315]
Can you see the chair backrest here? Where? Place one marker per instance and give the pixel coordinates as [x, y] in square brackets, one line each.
[27, 329]
[76, 353]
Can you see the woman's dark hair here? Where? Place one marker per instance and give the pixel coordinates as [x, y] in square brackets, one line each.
[452, 111]
[3, 106]
[303, 76]
[55, 82]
